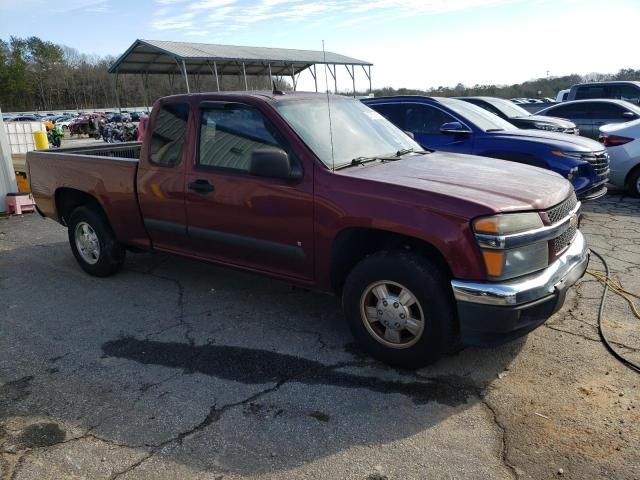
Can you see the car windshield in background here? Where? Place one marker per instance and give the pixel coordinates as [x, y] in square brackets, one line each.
[510, 109]
[482, 119]
[357, 130]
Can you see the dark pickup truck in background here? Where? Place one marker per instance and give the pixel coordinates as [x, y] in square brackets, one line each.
[427, 250]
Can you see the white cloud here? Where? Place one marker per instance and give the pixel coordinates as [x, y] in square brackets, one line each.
[17, 6]
[233, 15]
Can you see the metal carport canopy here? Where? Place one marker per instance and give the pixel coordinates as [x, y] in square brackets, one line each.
[166, 57]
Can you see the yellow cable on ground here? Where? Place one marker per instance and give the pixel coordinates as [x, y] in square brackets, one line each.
[618, 289]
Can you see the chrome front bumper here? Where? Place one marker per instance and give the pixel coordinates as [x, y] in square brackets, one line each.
[559, 276]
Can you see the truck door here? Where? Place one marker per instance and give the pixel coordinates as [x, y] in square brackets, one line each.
[240, 219]
[161, 175]
[424, 121]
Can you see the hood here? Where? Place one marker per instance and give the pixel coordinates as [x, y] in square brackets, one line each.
[499, 185]
[561, 122]
[555, 141]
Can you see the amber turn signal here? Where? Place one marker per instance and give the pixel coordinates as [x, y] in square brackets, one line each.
[486, 225]
[494, 261]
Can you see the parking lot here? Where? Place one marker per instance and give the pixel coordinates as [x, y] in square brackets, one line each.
[177, 369]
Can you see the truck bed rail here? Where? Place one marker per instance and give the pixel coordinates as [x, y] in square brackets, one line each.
[129, 150]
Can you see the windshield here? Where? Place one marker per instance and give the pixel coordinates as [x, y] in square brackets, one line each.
[481, 118]
[357, 130]
[510, 109]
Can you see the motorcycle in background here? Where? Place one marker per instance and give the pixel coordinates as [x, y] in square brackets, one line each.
[55, 135]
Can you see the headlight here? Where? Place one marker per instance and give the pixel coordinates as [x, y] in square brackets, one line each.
[507, 224]
[504, 263]
[552, 127]
[573, 174]
[575, 155]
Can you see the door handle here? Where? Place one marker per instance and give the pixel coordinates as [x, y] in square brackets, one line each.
[201, 186]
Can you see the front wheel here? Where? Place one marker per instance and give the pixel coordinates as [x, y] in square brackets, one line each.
[634, 184]
[400, 308]
[93, 243]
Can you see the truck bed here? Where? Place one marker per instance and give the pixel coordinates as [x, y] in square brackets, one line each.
[107, 173]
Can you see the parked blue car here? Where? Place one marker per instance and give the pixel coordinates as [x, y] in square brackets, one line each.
[456, 126]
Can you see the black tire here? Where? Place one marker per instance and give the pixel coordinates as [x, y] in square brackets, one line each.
[428, 284]
[633, 186]
[111, 253]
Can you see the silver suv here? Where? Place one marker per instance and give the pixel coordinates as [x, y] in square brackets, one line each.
[590, 115]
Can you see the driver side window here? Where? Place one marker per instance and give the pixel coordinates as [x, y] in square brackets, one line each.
[426, 120]
[230, 133]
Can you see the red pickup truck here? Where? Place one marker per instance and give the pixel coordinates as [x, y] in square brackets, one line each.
[428, 250]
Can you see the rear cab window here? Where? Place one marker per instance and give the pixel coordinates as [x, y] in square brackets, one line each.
[168, 135]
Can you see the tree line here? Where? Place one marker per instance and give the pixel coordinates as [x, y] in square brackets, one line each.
[40, 75]
[37, 75]
[538, 88]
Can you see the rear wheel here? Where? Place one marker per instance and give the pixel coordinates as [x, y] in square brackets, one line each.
[93, 243]
[634, 184]
[400, 309]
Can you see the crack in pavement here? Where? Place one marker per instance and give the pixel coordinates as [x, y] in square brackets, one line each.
[260, 366]
[504, 448]
[213, 416]
[179, 303]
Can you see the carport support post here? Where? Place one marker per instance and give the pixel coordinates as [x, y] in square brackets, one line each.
[313, 74]
[333, 74]
[353, 79]
[115, 87]
[186, 78]
[352, 74]
[145, 88]
[293, 77]
[270, 78]
[244, 75]
[368, 74]
[214, 70]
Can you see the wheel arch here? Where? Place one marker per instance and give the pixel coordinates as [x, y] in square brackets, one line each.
[68, 199]
[352, 244]
[632, 171]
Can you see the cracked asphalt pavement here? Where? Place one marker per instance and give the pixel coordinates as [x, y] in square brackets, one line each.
[178, 369]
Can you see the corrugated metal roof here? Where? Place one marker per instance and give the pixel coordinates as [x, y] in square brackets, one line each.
[158, 56]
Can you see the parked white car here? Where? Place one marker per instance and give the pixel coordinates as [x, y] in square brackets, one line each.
[64, 124]
[623, 144]
[562, 95]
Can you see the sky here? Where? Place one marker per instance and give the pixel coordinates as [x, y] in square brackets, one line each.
[412, 43]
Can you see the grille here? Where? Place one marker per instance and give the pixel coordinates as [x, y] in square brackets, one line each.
[599, 162]
[558, 212]
[563, 241]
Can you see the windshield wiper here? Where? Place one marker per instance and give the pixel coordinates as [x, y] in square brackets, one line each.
[382, 158]
[405, 151]
[363, 160]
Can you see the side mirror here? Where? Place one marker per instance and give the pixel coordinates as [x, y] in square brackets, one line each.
[628, 114]
[410, 134]
[454, 128]
[273, 163]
